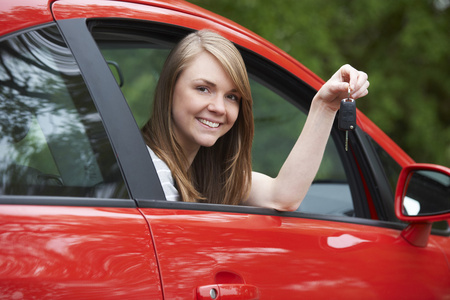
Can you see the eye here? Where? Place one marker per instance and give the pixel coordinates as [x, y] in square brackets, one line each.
[234, 97]
[202, 89]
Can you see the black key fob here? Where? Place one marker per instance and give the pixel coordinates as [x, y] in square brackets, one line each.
[347, 114]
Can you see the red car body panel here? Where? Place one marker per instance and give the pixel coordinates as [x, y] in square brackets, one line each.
[16, 15]
[299, 256]
[52, 252]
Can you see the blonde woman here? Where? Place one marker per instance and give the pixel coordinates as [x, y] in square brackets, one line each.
[201, 130]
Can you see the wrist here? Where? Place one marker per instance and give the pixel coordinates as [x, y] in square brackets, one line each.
[322, 107]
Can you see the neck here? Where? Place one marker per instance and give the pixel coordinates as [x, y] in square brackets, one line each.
[190, 155]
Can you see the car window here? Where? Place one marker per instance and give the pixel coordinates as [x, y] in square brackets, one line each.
[136, 61]
[391, 168]
[137, 74]
[53, 141]
[278, 124]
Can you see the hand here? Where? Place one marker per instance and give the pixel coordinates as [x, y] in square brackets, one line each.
[336, 88]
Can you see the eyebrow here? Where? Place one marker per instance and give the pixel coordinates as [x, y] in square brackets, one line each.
[206, 81]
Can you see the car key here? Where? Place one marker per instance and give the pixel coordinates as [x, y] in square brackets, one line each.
[347, 116]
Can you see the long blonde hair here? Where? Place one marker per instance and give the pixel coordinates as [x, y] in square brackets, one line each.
[221, 173]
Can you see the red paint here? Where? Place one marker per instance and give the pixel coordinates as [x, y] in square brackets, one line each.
[289, 257]
[77, 253]
[402, 184]
[17, 15]
[82, 252]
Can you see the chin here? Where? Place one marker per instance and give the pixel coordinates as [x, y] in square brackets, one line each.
[207, 145]
[208, 142]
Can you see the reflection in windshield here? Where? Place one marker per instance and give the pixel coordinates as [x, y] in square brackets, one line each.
[52, 135]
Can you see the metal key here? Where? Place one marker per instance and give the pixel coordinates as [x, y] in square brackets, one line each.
[347, 116]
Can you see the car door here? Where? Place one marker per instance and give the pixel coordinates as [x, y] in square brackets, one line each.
[336, 246]
[68, 225]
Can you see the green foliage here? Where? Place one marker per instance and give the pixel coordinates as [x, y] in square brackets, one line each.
[277, 126]
[139, 83]
[403, 45]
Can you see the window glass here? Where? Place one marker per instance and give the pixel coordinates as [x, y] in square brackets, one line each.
[53, 141]
[391, 168]
[136, 60]
[137, 74]
[278, 124]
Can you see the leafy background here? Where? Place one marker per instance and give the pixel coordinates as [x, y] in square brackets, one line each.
[404, 46]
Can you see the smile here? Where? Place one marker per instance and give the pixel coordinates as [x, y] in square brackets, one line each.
[209, 123]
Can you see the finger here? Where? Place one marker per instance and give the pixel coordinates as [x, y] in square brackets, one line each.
[350, 75]
[362, 91]
[357, 81]
[338, 88]
[361, 80]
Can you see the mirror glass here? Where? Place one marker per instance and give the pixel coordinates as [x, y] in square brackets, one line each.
[427, 193]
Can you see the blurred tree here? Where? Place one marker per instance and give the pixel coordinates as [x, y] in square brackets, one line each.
[403, 45]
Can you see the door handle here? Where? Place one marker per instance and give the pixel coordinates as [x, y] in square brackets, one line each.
[227, 292]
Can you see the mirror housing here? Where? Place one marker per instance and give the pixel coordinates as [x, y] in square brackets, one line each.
[422, 197]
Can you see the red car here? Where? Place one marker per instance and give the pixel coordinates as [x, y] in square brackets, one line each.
[83, 214]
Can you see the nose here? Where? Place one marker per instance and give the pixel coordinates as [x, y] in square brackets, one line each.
[217, 105]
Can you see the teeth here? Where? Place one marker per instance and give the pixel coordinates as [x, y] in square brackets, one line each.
[210, 124]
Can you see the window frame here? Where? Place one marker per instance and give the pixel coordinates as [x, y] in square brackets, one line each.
[134, 160]
[279, 80]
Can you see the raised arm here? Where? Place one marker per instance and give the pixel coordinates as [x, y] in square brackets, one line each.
[287, 190]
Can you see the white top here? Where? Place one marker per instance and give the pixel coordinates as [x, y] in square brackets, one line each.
[165, 176]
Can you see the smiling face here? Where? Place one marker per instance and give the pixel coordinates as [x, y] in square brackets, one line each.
[205, 104]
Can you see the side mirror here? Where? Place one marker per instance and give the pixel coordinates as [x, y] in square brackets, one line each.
[422, 196]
